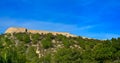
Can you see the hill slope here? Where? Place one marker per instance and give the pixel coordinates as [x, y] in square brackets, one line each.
[49, 48]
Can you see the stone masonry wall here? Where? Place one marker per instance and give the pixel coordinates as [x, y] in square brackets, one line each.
[22, 30]
[15, 30]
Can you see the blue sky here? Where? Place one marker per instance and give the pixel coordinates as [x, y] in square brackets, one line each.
[98, 19]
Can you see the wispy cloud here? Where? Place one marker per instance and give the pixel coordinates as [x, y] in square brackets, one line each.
[42, 25]
[51, 26]
[103, 36]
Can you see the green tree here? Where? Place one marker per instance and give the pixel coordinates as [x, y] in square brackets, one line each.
[46, 43]
[67, 55]
[35, 38]
[23, 37]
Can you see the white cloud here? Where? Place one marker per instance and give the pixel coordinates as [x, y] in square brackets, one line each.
[41, 25]
[51, 26]
[102, 35]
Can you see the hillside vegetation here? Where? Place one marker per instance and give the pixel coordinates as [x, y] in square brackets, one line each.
[48, 48]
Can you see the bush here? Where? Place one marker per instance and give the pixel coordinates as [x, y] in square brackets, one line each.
[23, 37]
[35, 38]
[46, 43]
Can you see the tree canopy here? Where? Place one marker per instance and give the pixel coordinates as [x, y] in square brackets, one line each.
[48, 48]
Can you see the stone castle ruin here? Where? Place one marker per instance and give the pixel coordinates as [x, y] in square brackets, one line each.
[24, 30]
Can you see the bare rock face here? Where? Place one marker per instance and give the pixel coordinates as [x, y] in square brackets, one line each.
[23, 30]
[16, 30]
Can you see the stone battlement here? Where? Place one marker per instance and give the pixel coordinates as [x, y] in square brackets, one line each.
[24, 30]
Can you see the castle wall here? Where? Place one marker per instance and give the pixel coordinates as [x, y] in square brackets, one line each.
[23, 30]
[16, 30]
[36, 31]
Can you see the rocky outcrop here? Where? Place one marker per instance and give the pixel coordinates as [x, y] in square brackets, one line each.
[24, 30]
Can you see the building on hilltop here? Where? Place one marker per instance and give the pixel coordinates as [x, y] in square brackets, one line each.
[16, 30]
[24, 30]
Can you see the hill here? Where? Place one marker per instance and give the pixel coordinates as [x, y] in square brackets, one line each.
[24, 47]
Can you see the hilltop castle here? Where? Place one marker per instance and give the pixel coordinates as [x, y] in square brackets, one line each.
[24, 30]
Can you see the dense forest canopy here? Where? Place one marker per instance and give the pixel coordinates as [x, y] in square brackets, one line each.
[48, 48]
